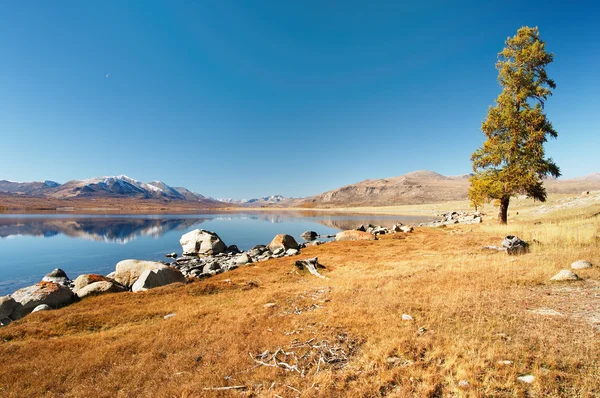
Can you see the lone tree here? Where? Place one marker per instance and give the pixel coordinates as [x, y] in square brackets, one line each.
[512, 160]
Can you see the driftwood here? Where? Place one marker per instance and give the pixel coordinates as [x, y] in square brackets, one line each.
[311, 265]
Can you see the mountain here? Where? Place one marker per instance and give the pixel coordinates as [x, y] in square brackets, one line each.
[109, 186]
[425, 186]
[36, 188]
[273, 200]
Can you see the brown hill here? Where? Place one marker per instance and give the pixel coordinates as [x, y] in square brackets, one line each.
[425, 186]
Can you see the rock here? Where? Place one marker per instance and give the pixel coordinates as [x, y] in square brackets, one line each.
[111, 275]
[278, 251]
[353, 235]
[204, 242]
[5, 322]
[270, 305]
[7, 306]
[396, 227]
[406, 229]
[565, 275]
[581, 264]
[526, 379]
[57, 276]
[169, 316]
[406, 317]
[463, 384]
[282, 241]
[361, 228]
[233, 249]
[400, 362]
[100, 287]
[309, 235]
[27, 298]
[291, 252]
[311, 264]
[243, 259]
[514, 245]
[41, 307]
[85, 279]
[162, 276]
[171, 255]
[505, 362]
[380, 231]
[128, 271]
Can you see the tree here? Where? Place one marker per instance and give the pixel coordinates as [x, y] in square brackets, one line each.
[512, 159]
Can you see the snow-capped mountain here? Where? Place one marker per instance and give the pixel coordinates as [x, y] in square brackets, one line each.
[265, 201]
[121, 185]
[36, 188]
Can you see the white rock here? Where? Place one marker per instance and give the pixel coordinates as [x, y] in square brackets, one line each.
[505, 362]
[565, 275]
[169, 316]
[200, 241]
[128, 271]
[581, 264]
[157, 277]
[406, 317]
[526, 379]
[291, 252]
[463, 384]
[270, 305]
[42, 307]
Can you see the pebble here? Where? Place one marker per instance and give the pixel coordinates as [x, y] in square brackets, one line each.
[526, 379]
[169, 316]
[406, 317]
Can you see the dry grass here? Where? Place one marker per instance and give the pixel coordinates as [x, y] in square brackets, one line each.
[470, 310]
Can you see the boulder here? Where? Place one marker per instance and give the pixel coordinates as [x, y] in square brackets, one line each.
[233, 249]
[283, 241]
[291, 252]
[243, 259]
[42, 307]
[203, 242]
[309, 235]
[150, 279]
[5, 321]
[514, 245]
[565, 275]
[27, 298]
[581, 264]
[7, 306]
[57, 276]
[100, 287]
[128, 271]
[354, 235]
[406, 228]
[85, 279]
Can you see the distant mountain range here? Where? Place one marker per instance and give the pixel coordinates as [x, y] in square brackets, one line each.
[121, 186]
[417, 187]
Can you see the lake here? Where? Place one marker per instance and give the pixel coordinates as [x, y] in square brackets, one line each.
[33, 245]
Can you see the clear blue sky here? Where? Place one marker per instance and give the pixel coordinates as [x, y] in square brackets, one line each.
[247, 98]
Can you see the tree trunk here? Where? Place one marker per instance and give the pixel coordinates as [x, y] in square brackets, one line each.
[503, 214]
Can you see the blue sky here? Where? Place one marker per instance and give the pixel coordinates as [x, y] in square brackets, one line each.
[248, 98]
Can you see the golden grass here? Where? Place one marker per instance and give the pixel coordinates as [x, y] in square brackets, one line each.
[472, 304]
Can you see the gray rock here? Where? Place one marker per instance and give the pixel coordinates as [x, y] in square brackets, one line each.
[171, 255]
[565, 275]
[406, 229]
[526, 379]
[406, 317]
[100, 287]
[5, 322]
[278, 251]
[27, 298]
[282, 241]
[41, 307]
[309, 235]
[150, 279]
[169, 316]
[128, 271]
[7, 306]
[203, 242]
[514, 245]
[233, 249]
[581, 264]
[361, 228]
[57, 276]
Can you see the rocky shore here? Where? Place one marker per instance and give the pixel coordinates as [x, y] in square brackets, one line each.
[204, 254]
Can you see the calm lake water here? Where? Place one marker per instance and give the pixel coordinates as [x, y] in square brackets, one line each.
[33, 245]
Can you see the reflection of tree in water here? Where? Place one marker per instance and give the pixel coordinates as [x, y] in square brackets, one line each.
[117, 230]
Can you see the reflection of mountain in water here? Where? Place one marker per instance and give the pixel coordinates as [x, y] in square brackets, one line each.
[113, 230]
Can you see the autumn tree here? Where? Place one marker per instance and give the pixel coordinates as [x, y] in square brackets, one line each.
[512, 159]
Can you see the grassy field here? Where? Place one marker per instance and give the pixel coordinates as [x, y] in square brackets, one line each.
[271, 330]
